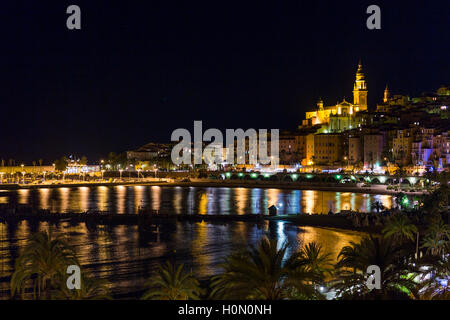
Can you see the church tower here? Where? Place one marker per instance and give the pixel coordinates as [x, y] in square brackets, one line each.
[360, 90]
[320, 104]
[386, 95]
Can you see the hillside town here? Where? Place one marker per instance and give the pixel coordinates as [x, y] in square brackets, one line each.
[410, 133]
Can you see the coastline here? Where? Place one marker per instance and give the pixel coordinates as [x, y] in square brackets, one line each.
[203, 183]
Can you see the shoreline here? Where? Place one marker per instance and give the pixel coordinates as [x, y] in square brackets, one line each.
[376, 189]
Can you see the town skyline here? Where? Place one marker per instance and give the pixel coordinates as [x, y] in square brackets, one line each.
[135, 75]
[323, 99]
[253, 157]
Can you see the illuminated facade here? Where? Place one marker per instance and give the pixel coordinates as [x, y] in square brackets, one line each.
[430, 148]
[328, 148]
[354, 150]
[342, 115]
[402, 146]
[373, 150]
[309, 150]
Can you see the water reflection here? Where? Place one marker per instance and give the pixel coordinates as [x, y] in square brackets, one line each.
[125, 256]
[178, 200]
[44, 196]
[127, 199]
[139, 200]
[332, 240]
[155, 193]
[23, 196]
[64, 199]
[121, 192]
[102, 198]
[241, 199]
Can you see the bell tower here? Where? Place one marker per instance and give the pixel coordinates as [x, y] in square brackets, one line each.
[386, 95]
[320, 104]
[360, 90]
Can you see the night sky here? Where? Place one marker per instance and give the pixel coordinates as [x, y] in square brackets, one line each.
[137, 70]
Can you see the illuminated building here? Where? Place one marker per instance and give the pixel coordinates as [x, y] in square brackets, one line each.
[150, 151]
[300, 142]
[293, 147]
[343, 112]
[288, 149]
[355, 151]
[402, 145]
[328, 148]
[309, 149]
[373, 150]
[386, 95]
[430, 148]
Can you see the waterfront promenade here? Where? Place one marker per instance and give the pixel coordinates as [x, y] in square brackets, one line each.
[205, 183]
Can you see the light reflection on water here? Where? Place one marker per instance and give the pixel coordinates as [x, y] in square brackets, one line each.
[127, 199]
[125, 257]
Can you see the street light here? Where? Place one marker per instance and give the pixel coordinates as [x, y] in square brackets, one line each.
[1, 176]
[120, 171]
[44, 174]
[23, 176]
[103, 171]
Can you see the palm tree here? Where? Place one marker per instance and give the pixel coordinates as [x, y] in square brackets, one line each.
[172, 283]
[256, 273]
[400, 171]
[400, 228]
[441, 229]
[91, 289]
[437, 239]
[436, 284]
[385, 253]
[83, 161]
[61, 163]
[434, 244]
[265, 272]
[44, 259]
[312, 258]
[311, 266]
[436, 201]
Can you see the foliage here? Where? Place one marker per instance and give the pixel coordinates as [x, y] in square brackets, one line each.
[436, 281]
[400, 228]
[397, 273]
[91, 289]
[42, 262]
[172, 283]
[116, 161]
[61, 164]
[266, 272]
[83, 161]
[437, 239]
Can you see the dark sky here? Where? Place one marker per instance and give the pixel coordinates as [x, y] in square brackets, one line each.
[137, 70]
